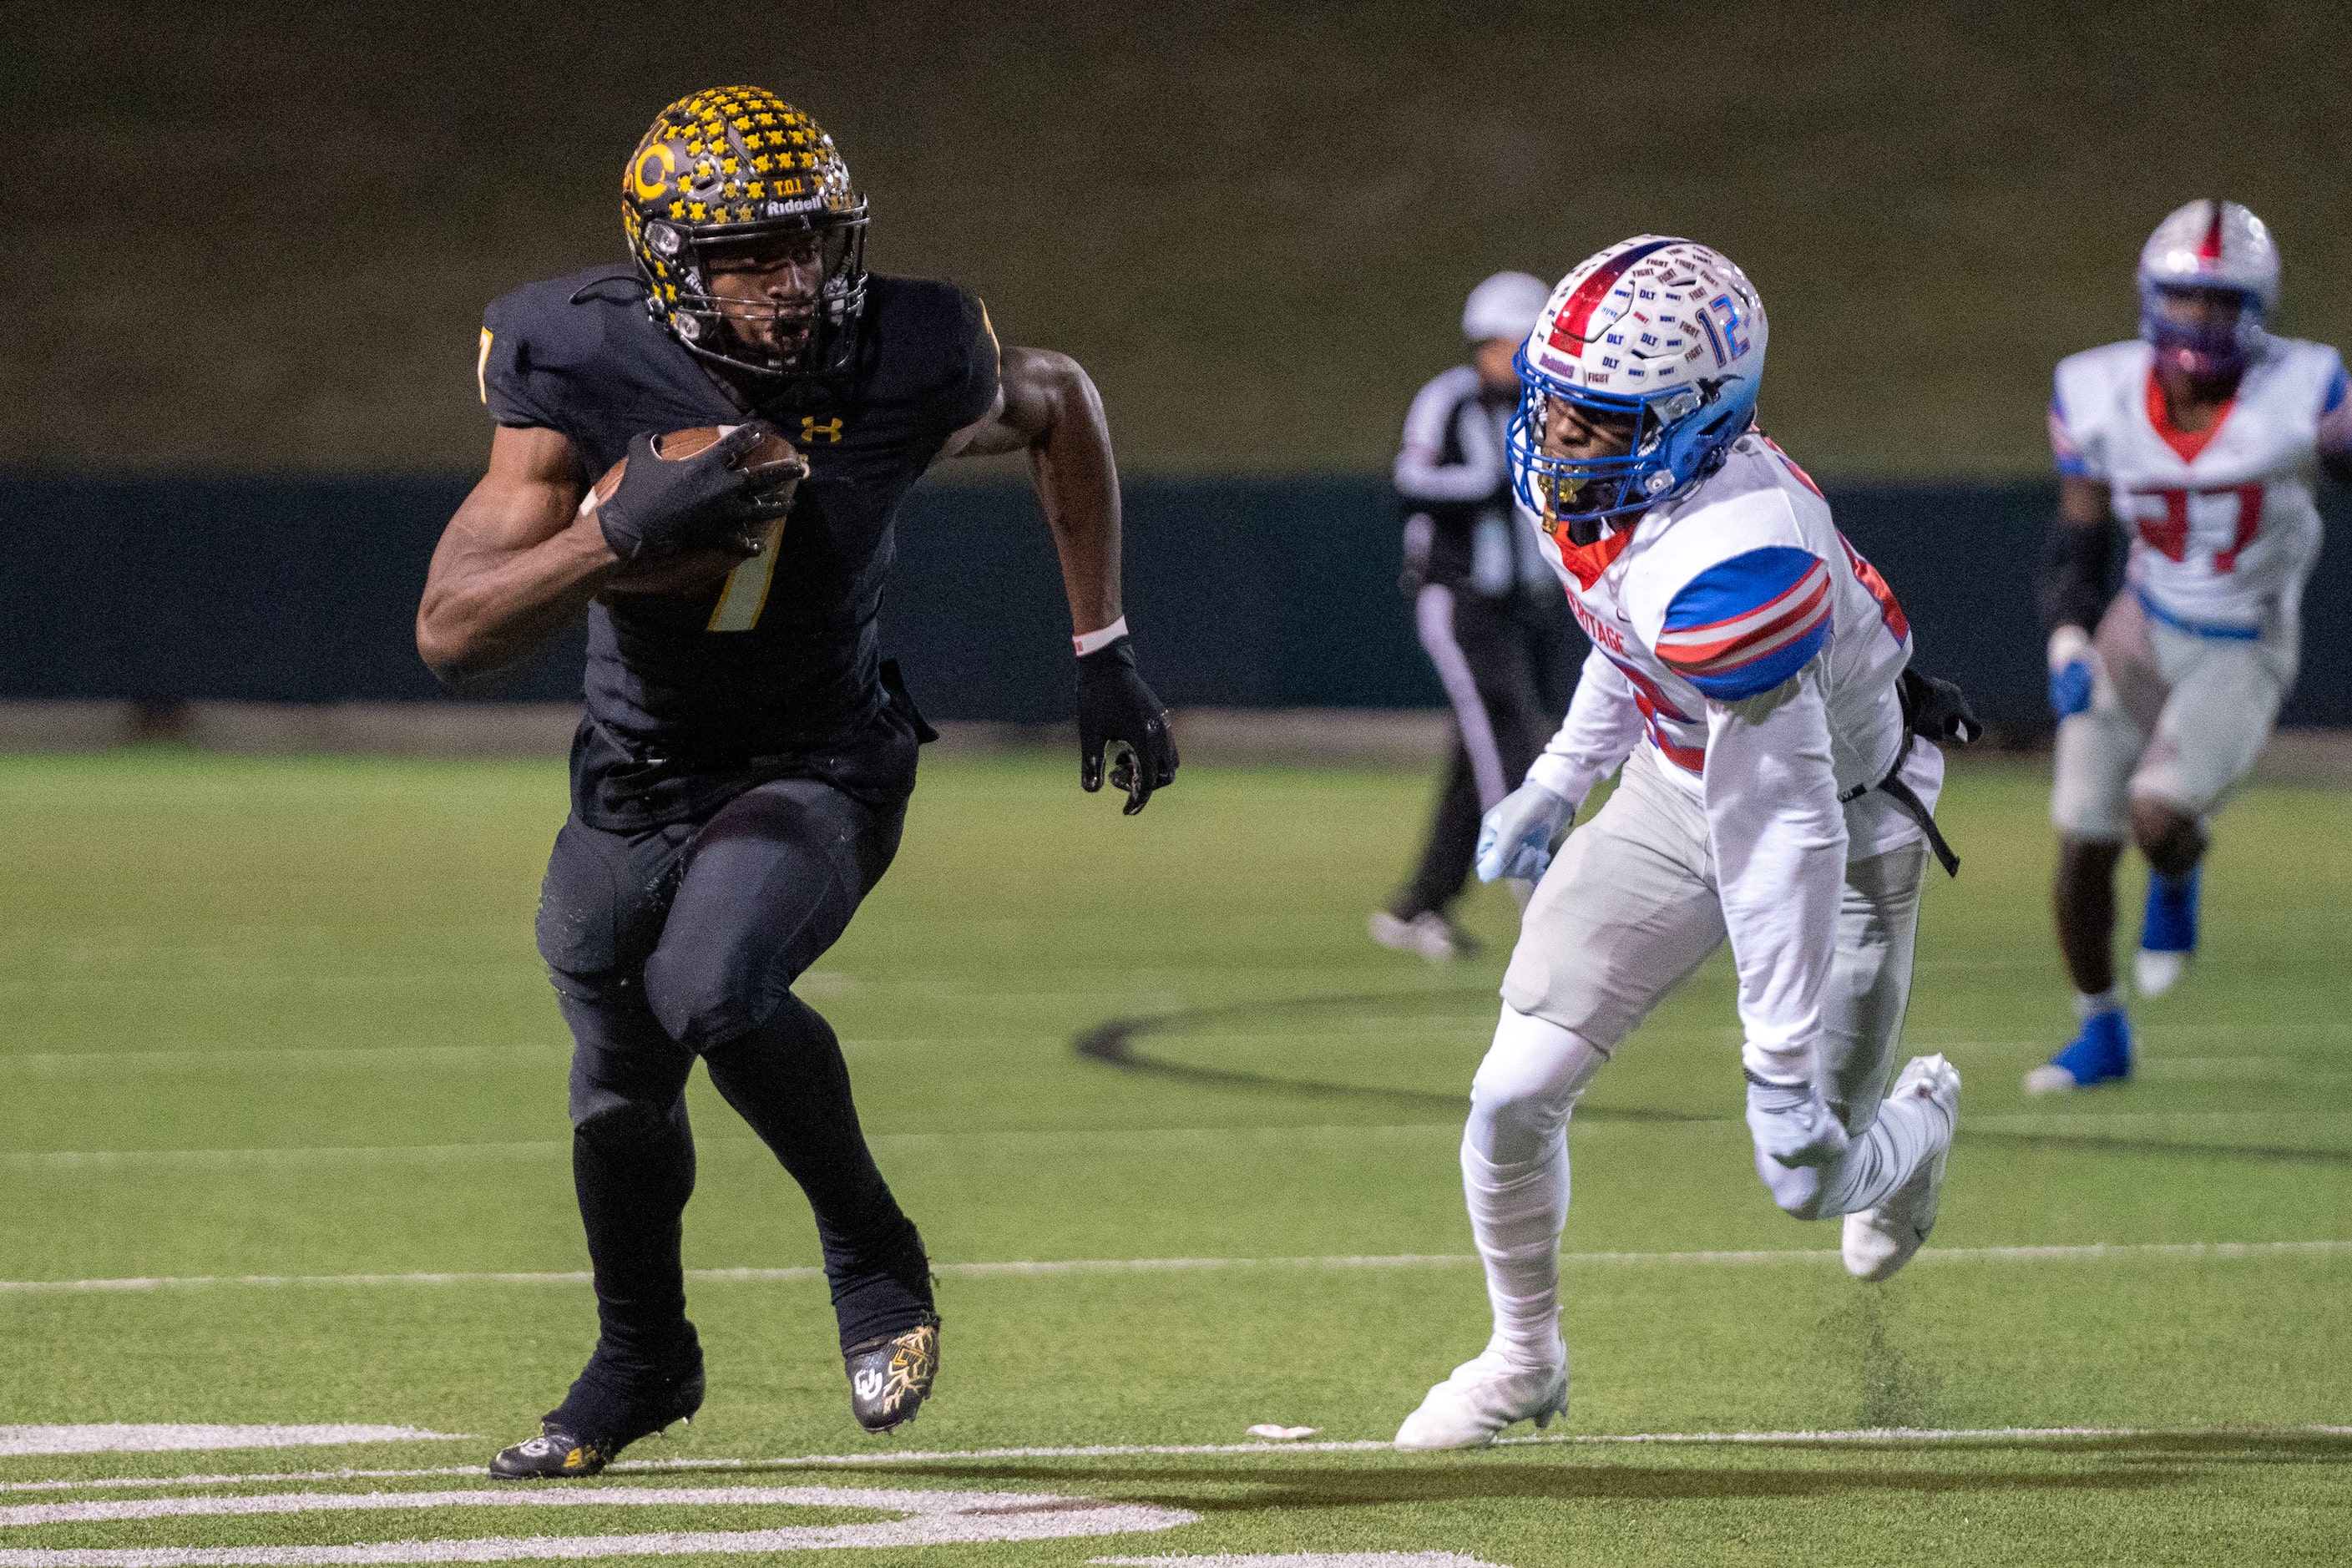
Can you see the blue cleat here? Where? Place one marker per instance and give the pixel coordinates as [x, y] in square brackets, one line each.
[2168, 931]
[2101, 1053]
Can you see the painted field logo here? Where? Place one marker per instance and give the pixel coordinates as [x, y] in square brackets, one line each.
[925, 1519]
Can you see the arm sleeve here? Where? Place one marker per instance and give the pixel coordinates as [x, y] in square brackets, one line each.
[1779, 842]
[2077, 566]
[1421, 474]
[1604, 725]
[1745, 625]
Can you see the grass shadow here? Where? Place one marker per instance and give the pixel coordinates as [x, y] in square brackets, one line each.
[1113, 1044]
[1209, 1490]
[1892, 1468]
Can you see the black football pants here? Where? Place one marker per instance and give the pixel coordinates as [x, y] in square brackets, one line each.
[681, 942]
[1507, 667]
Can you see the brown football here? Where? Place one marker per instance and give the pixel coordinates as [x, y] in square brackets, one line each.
[697, 571]
[773, 452]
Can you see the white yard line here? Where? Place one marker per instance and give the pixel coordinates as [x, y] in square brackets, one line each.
[1827, 1437]
[2094, 1121]
[23, 1514]
[1025, 1268]
[926, 1518]
[324, 1056]
[346, 1474]
[303, 1055]
[123, 1437]
[426, 1153]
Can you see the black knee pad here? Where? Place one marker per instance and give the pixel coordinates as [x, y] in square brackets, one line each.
[627, 1082]
[704, 998]
[726, 964]
[613, 1124]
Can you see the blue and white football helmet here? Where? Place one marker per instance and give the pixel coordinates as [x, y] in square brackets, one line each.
[1666, 331]
[2209, 244]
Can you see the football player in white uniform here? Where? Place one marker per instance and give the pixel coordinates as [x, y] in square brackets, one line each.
[2203, 439]
[1745, 670]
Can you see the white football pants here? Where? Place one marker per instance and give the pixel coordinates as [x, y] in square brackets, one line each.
[1593, 985]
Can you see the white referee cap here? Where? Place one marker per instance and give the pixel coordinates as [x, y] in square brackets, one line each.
[1505, 306]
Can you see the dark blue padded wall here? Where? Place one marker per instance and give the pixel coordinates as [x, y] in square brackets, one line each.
[1244, 593]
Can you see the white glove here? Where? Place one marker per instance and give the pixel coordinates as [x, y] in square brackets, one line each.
[1514, 839]
[1793, 1125]
[2073, 670]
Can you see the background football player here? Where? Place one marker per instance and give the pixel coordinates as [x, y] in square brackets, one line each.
[2202, 438]
[741, 775]
[1744, 670]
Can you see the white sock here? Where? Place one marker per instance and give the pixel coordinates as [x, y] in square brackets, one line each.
[2087, 1007]
[1517, 1213]
[1907, 1133]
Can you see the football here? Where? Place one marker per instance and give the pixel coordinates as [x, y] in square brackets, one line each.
[775, 463]
[773, 453]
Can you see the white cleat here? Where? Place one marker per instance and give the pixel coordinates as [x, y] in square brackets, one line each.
[2153, 974]
[2049, 1078]
[1879, 1241]
[1470, 1409]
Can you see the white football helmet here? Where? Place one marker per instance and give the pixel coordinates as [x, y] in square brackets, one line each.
[2209, 244]
[1666, 330]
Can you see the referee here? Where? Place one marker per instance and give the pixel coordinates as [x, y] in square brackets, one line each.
[1486, 606]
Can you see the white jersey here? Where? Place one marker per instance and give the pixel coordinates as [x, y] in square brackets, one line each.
[1726, 593]
[1737, 633]
[2223, 523]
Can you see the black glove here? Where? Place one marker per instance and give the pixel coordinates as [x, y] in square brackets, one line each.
[1938, 709]
[667, 507]
[1117, 710]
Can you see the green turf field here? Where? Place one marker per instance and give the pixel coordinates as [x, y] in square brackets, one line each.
[283, 1019]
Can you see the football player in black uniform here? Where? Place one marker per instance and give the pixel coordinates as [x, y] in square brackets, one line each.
[741, 775]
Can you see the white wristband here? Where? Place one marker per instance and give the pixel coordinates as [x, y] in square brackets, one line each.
[1094, 642]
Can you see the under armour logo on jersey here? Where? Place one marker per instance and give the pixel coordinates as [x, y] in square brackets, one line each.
[811, 430]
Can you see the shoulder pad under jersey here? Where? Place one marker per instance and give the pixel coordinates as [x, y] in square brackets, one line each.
[546, 327]
[1747, 622]
[934, 350]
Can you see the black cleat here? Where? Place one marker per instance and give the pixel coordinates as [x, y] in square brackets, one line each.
[554, 1455]
[890, 1375]
[561, 1453]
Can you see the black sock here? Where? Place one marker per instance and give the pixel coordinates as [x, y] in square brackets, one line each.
[786, 1078]
[632, 1169]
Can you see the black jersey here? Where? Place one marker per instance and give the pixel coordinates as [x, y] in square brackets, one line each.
[779, 662]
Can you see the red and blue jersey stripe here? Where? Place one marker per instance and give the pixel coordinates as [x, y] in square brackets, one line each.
[1744, 626]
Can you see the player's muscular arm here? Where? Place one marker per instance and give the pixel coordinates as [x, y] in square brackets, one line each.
[516, 563]
[1045, 406]
[1048, 406]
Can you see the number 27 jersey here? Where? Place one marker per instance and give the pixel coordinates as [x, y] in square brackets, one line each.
[2223, 523]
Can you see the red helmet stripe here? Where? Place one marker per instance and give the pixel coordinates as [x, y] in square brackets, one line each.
[2212, 249]
[1576, 315]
